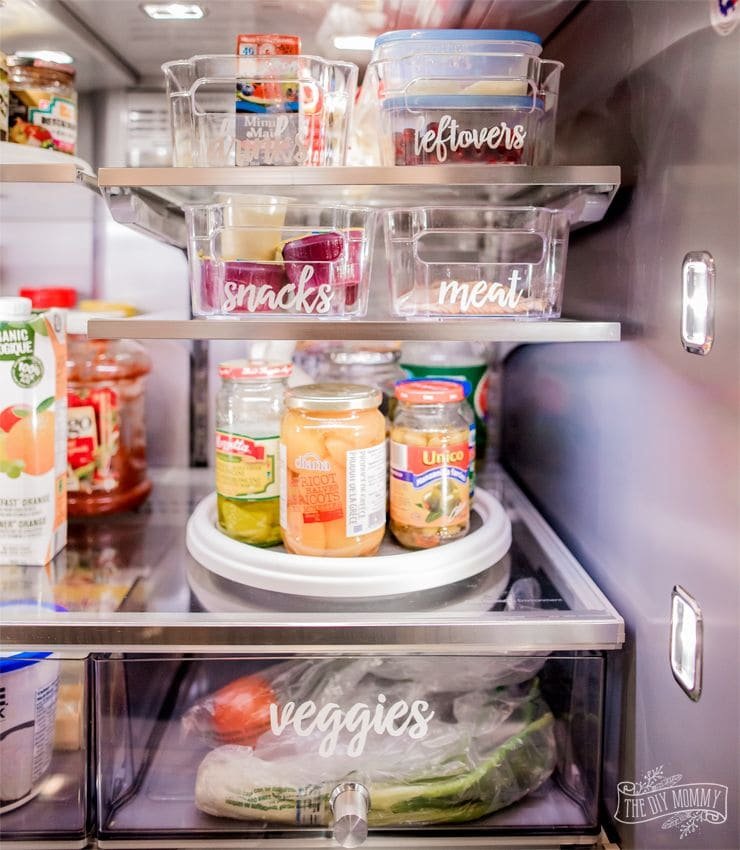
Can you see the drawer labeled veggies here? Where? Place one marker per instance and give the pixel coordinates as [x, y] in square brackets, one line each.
[241, 745]
[479, 261]
[267, 256]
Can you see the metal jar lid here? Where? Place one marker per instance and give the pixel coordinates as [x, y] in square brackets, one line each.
[333, 397]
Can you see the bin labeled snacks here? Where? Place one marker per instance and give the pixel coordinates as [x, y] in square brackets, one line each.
[256, 256]
[467, 262]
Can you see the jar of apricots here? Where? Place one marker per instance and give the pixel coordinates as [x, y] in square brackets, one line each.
[333, 470]
[430, 459]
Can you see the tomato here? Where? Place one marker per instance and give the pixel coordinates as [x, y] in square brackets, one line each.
[241, 710]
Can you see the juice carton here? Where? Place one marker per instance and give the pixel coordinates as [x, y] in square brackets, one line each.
[33, 433]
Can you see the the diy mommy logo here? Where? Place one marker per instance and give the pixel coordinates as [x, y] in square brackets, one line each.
[682, 806]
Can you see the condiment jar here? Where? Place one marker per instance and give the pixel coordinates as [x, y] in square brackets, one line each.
[106, 443]
[333, 470]
[249, 407]
[43, 104]
[430, 461]
[375, 364]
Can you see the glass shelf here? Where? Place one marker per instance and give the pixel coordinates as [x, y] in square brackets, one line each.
[129, 584]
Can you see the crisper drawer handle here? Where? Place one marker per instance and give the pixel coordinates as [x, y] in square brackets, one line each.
[350, 803]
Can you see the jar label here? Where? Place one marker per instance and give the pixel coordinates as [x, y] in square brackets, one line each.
[93, 440]
[366, 471]
[42, 119]
[429, 485]
[245, 466]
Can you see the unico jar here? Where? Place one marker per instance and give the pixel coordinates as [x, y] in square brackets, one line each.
[106, 433]
[430, 459]
[249, 407]
[333, 470]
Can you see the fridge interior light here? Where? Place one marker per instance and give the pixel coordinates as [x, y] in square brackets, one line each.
[173, 11]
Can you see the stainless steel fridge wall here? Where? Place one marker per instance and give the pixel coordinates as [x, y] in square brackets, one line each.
[632, 450]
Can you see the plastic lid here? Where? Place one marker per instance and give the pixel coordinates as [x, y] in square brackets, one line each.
[43, 297]
[235, 369]
[95, 305]
[457, 35]
[333, 397]
[462, 101]
[429, 392]
[15, 309]
[10, 661]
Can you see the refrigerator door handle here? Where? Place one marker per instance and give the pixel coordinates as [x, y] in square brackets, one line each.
[697, 302]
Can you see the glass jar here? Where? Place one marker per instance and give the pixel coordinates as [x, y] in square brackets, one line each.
[249, 407]
[333, 470]
[4, 97]
[430, 462]
[43, 104]
[106, 431]
[375, 364]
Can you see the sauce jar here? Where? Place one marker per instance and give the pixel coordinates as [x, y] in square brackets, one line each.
[106, 442]
[43, 104]
[4, 97]
[430, 462]
[249, 407]
[333, 470]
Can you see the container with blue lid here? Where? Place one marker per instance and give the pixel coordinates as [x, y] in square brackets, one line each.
[398, 43]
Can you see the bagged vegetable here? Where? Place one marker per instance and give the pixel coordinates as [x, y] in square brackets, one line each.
[426, 755]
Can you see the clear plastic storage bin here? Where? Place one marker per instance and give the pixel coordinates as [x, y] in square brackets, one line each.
[259, 110]
[440, 108]
[219, 749]
[262, 257]
[43, 751]
[493, 262]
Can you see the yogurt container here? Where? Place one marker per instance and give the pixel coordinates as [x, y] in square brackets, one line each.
[29, 683]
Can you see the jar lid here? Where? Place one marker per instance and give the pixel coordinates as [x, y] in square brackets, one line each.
[30, 62]
[12, 308]
[429, 392]
[43, 297]
[97, 305]
[365, 357]
[333, 397]
[234, 369]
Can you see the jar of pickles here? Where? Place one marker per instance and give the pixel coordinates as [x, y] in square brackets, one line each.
[249, 407]
[333, 470]
[430, 460]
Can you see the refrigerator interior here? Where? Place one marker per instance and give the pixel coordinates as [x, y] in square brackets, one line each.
[629, 451]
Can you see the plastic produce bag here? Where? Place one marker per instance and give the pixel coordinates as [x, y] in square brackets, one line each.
[426, 755]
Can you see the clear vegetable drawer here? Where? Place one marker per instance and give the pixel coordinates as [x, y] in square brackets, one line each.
[338, 748]
[476, 262]
[43, 751]
[262, 256]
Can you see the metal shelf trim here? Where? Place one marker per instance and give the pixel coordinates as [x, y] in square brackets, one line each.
[494, 330]
[46, 173]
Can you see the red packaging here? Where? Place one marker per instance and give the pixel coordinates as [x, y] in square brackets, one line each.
[267, 44]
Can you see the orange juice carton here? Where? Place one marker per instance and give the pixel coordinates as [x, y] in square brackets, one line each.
[33, 433]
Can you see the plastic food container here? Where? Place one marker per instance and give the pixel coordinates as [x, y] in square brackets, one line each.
[399, 43]
[475, 262]
[288, 260]
[333, 470]
[29, 682]
[260, 110]
[438, 108]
